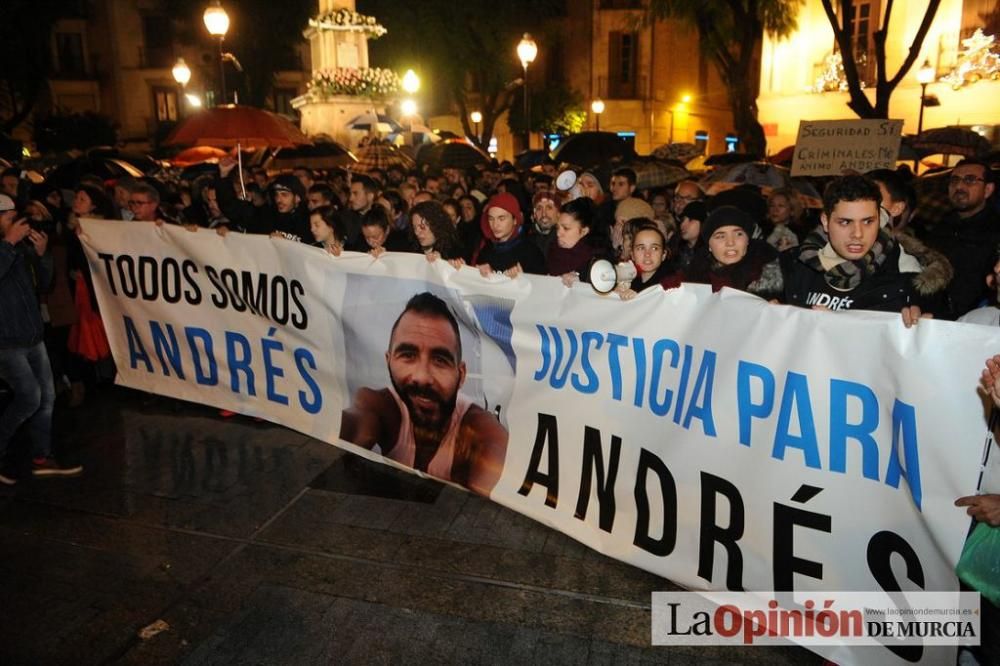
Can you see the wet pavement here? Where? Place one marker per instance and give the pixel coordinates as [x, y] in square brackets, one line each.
[251, 543]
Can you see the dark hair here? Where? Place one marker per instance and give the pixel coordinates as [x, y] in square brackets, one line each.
[368, 183]
[475, 205]
[331, 218]
[446, 239]
[454, 204]
[324, 189]
[646, 224]
[396, 200]
[583, 210]
[850, 188]
[102, 204]
[376, 216]
[304, 168]
[542, 178]
[898, 187]
[628, 173]
[429, 305]
[988, 177]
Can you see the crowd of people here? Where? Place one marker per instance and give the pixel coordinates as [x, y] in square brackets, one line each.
[866, 248]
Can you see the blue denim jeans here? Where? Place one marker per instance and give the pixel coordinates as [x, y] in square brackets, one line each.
[26, 370]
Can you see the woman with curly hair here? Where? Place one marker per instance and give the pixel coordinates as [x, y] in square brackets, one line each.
[433, 233]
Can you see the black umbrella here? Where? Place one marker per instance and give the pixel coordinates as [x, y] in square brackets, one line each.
[452, 154]
[323, 154]
[588, 149]
[951, 141]
[725, 159]
[67, 176]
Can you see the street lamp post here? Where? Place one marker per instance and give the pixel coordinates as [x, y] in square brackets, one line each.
[411, 82]
[217, 22]
[182, 74]
[476, 118]
[527, 50]
[685, 98]
[597, 106]
[925, 76]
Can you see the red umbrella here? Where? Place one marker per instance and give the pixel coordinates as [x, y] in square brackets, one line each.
[233, 125]
[197, 155]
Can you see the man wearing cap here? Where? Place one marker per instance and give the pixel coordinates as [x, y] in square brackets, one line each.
[544, 215]
[286, 214]
[24, 363]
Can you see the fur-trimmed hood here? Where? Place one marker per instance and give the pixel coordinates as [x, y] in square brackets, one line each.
[936, 271]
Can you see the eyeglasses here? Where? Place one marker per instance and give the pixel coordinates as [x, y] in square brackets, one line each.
[967, 180]
[135, 202]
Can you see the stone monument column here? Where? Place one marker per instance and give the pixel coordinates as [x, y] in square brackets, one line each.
[338, 41]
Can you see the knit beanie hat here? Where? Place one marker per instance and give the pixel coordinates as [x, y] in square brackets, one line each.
[695, 210]
[631, 208]
[504, 200]
[726, 216]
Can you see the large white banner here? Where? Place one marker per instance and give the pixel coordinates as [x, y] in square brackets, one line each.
[716, 440]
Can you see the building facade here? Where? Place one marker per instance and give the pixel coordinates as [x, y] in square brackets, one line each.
[794, 68]
[115, 57]
[654, 79]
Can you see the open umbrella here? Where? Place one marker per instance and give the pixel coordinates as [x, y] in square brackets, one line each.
[761, 174]
[382, 155]
[322, 154]
[588, 149]
[197, 155]
[371, 120]
[682, 152]
[783, 157]
[726, 159]
[654, 173]
[233, 125]
[950, 141]
[452, 154]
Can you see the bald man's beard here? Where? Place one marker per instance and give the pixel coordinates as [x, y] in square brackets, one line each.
[426, 427]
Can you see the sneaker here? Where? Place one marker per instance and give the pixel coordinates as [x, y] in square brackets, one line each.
[7, 480]
[49, 467]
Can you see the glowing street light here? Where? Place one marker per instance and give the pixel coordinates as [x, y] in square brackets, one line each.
[476, 118]
[597, 106]
[925, 76]
[217, 23]
[527, 51]
[181, 72]
[411, 82]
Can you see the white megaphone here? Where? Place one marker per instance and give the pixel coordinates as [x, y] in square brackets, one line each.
[605, 276]
[566, 181]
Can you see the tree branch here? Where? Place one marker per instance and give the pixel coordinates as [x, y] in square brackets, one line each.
[918, 41]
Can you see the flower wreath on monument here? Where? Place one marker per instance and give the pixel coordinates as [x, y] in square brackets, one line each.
[362, 82]
[348, 20]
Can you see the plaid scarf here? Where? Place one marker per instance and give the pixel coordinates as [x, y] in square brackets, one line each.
[848, 274]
